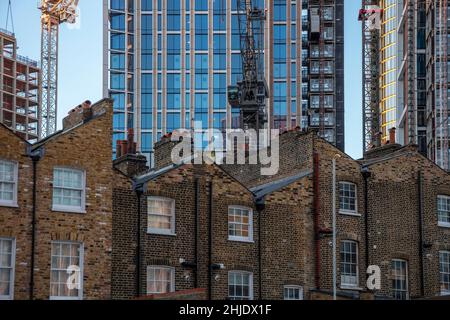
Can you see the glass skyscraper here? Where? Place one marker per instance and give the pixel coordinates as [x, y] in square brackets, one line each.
[168, 64]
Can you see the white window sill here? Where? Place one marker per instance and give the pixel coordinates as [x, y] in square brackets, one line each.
[5, 298]
[9, 204]
[444, 224]
[244, 240]
[68, 210]
[350, 287]
[161, 232]
[350, 213]
[445, 293]
[66, 298]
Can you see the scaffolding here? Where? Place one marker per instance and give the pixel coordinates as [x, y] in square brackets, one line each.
[19, 89]
[441, 117]
[370, 75]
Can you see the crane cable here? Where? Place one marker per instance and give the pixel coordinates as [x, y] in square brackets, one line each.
[8, 14]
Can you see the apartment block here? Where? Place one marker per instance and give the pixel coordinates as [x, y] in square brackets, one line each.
[19, 90]
[168, 64]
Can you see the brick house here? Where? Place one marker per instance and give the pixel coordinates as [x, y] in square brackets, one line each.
[61, 219]
[188, 231]
[224, 229]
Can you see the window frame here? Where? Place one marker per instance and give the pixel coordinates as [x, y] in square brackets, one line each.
[406, 278]
[442, 223]
[250, 224]
[294, 287]
[444, 252]
[65, 208]
[250, 284]
[344, 284]
[12, 203]
[81, 265]
[348, 211]
[167, 232]
[172, 278]
[12, 269]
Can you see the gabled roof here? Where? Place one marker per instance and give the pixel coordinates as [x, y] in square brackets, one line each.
[140, 181]
[265, 189]
[58, 133]
[13, 133]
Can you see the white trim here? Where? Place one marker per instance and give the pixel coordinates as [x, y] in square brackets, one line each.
[159, 231]
[248, 239]
[445, 198]
[250, 282]
[295, 287]
[342, 283]
[172, 277]
[13, 203]
[347, 211]
[406, 276]
[13, 269]
[443, 252]
[81, 259]
[65, 208]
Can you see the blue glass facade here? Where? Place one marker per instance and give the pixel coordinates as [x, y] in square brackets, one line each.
[170, 63]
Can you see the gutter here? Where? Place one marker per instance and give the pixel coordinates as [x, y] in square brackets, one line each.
[260, 206]
[196, 229]
[421, 231]
[210, 247]
[316, 219]
[138, 245]
[366, 175]
[35, 156]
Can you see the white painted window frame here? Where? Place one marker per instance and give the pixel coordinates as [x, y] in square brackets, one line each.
[293, 287]
[12, 203]
[250, 224]
[167, 268]
[347, 211]
[250, 283]
[443, 224]
[345, 284]
[71, 209]
[443, 252]
[13, 269]
[81, 259]
[167, 232]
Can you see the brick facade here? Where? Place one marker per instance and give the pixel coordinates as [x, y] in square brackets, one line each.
[395, 217]
[85, 147]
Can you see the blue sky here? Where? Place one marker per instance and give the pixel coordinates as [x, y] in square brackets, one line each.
[80, 54]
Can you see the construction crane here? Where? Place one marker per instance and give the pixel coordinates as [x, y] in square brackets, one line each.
[54, 13]
[370, 70]
[250, 93]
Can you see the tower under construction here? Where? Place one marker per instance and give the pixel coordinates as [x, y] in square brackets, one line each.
[20, 83]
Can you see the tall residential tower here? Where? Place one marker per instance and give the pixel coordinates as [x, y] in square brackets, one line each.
[168, 64]
[410, 55]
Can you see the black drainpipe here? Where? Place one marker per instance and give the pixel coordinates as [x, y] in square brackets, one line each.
[210, 225]
[138, 245]
[366, 175]
[421, 232]
[260, 206]
[35, 157]
[196, 228]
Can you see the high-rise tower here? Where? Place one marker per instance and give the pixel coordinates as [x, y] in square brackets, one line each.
[168, 64]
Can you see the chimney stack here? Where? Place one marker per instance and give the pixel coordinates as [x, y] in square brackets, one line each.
[392, 136]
